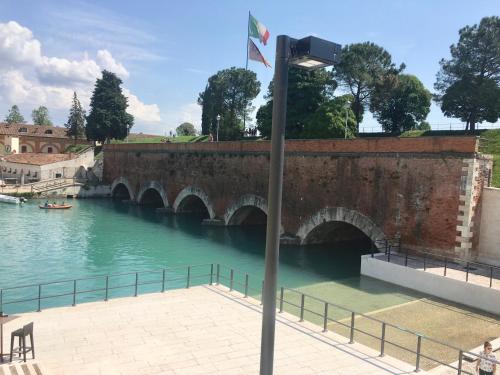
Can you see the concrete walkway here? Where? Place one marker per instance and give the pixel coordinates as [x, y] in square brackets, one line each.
[202, 330]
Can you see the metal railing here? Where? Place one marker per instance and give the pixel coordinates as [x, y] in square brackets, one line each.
[185, 276]
[428, 259]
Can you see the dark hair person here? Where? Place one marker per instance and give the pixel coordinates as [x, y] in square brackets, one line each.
[486, 362]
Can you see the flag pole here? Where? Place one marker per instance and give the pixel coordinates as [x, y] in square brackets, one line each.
[246, 68]
[248, 37]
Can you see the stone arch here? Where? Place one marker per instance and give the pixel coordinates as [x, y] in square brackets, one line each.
[344, 215]
[248, 200]
[45, 148]
[155, 185]
[29, 147]
[123, 181]
[197, 192]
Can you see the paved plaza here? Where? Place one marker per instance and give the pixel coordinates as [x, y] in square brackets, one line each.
[202, 330]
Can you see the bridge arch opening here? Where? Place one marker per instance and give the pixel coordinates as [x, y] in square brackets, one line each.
[195, 201]
[152, 198]
[121, 193]
[247, 210]
[340, 224]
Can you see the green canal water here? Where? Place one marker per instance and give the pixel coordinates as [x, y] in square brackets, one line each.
[100, 237]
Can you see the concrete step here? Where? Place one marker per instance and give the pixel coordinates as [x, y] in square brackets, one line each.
[21, 368]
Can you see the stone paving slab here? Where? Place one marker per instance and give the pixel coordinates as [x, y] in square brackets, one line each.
[202, 330]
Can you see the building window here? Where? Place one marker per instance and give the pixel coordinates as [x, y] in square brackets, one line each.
[49, 150]
[58, 175]
[23, 130]
[24, 149]
[48, 131]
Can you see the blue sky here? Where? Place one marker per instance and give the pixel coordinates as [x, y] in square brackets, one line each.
[165, 50]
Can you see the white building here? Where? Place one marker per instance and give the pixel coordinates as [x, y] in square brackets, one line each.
[31, 167]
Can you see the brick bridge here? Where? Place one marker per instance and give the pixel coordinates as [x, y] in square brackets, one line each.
[425, 190]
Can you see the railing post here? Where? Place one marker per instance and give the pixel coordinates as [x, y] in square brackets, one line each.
[425, 262]
[325, 318]
[107, 286]
[282, 290]
[302, 303]
[460, 357]
[372, 245]
[351, 337]
[419, 344]
[188, 282]
[39, 298]
[386, 246]
[491, 277]
[231, 280]
[136, 283]
[246, 285]
[74, 293]
[467, 273]
[445, 266]
[382, 340]
[217, 277]
[211, 274]
[389, 255]
[163, 281]
[406, 258]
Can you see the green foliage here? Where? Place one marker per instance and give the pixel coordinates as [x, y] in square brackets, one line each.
[186, 128]
[400, 102]
[491, 145]
[329, 120]
[229, 93]
[40, 116]
[468, 83]
[361, 66]
[108, 118]
[14, 116]
[76, 120]
[307, 91]
[76, 148]
[424, 126]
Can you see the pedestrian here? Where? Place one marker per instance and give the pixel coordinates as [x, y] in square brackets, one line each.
[486, 363]
[210, 137]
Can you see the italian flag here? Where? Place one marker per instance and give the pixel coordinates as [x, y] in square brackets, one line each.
[257, 30]
[254, 53]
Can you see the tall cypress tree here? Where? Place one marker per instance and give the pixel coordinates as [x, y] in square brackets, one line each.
[108, 118]
[76, 119]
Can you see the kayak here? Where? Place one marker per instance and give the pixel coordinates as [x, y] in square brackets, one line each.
[55, 207]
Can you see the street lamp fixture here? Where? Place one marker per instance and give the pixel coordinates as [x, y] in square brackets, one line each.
[307, 53]
[217, 134]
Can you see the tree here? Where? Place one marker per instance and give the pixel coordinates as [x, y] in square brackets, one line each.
[400, 102]
[361, 66]
[307, 91]
[468, 83]
[40, 116]
[108, 118]
[424, 125]
[329, 120]
[14, 116]
[76, 119]
[229, 93]
[186, 128]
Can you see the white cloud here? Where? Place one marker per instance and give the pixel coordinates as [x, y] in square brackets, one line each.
[141, 111]
[27, 77]
[106, 61]
[17, 45]
[191, 113]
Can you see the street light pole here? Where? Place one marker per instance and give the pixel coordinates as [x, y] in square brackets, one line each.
[274, 204]
[217, 134]
[345, 131]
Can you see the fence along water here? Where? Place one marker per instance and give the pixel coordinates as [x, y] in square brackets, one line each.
[330, 316]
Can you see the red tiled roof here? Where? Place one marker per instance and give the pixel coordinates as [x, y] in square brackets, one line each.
[37, 159]
[33, 130]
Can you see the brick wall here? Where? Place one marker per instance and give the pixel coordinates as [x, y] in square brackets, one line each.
[408, 187]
